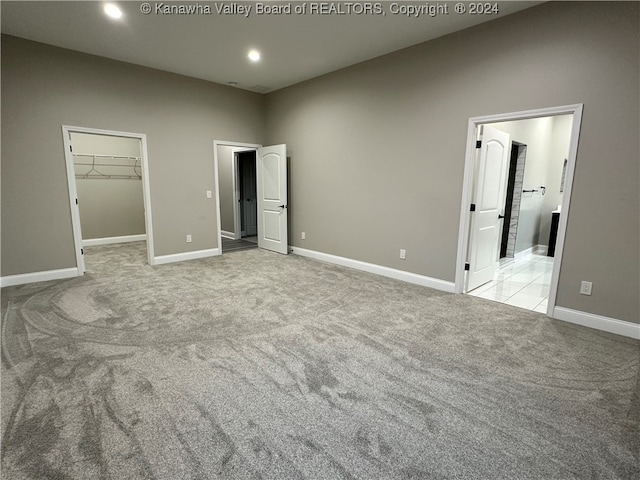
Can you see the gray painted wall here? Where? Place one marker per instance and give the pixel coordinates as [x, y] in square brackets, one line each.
[45, 87]
[105, 144]
[110, 208]
[378, 149]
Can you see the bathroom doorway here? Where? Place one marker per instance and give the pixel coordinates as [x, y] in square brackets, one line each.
[533, 227]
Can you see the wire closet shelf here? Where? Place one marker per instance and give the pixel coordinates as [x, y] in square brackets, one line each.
[105, 167]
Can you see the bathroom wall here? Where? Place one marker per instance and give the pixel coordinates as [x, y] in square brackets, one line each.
[558, 152]
[547, 141]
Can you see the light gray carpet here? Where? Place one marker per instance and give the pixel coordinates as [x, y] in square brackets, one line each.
[257, 365]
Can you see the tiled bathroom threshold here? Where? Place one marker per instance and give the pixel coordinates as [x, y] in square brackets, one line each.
[523, 283]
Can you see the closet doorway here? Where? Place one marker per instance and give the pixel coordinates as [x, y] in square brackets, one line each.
[108, 189]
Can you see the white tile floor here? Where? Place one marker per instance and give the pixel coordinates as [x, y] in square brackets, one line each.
[523, 283]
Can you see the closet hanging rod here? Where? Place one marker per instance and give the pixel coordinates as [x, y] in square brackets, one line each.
[100, 155]
[96, 164]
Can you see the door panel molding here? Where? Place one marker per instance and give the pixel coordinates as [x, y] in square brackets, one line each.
[491, 172]
[272, 198]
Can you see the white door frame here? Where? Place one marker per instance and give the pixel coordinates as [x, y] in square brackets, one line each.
[235, 179]
[467, 187]
[238, 147]
[73, 190]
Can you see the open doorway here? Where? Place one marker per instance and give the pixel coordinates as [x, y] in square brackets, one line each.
[538, 142]
[108, 190]
[248, 196]
[237, 196]
[251, 196]
[242, 234]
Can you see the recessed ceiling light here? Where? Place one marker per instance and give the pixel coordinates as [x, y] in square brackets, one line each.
[254, 55]
[113, 10]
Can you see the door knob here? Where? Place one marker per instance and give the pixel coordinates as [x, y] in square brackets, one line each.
[500, 216]
[282, 206]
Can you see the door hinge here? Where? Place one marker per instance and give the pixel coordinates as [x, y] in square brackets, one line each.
[478, 143]
[467, 266]
[70, 148]
[82, 251]
[76, 201]
[473, 207]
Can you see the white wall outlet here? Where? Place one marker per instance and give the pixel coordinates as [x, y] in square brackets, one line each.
[209, 194]
[403, 253]
[304, 236]
[188, 238]
[585, 288]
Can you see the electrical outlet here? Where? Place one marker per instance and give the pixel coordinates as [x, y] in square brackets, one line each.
[304, 236]
[403, 253]
[188, 238]
[209, 194]
[585, 288]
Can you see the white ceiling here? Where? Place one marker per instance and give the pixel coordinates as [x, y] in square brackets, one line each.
[214, 47]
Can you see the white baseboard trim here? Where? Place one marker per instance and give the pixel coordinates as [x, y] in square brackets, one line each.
[525, 255]
[181, 257]
[519, 256]
[599, 322]
[229, 235]
[23, 278]
[91, 242]
[541, 250]
[377, 269]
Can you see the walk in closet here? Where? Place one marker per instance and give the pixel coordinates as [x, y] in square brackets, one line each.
[108, 174]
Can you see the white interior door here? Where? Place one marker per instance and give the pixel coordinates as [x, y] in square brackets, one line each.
[272, 198]
[489, 197]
